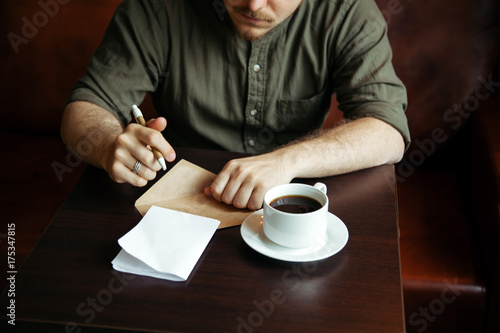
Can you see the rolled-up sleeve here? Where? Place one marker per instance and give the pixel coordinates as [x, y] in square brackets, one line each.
[365, 81]
[129, 62]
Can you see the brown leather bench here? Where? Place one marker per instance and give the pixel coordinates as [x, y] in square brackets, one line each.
[444, 51]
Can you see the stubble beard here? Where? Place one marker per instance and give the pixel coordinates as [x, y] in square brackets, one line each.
[248, 35]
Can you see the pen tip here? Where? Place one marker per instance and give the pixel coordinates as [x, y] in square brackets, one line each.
[162, 163]
[136, 111]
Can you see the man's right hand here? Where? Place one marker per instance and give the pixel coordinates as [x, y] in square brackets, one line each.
[117, 150]
[132, 146]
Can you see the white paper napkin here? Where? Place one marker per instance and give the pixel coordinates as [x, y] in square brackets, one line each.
[166, 244]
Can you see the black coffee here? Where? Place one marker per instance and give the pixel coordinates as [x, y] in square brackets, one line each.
[297, 204]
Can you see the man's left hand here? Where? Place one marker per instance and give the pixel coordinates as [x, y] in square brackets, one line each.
[244, 182]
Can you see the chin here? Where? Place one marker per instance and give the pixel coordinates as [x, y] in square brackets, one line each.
[251, 36]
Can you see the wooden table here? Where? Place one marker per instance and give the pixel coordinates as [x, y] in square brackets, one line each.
[67, 283]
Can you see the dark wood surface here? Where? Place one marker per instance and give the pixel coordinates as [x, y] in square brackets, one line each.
[67, 283]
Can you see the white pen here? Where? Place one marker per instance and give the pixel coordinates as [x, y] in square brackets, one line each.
[140, 119]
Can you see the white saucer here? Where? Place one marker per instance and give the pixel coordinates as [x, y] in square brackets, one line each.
[329, 244]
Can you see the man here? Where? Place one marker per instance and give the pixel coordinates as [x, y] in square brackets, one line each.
[254, 76]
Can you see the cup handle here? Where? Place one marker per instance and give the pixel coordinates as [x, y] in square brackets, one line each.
[321, 187]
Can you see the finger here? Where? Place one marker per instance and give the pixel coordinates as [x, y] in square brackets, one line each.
[218, 185]
[208, 191]
[257, 199]
[153, 138]
[227, 184]
[147, 158]
[127, 152]
[143, 170]
[250, 195]
[158, 124]
[128, 149]
[122, 174]
[242, 196]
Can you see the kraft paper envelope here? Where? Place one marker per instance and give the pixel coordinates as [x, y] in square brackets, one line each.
[181, 188]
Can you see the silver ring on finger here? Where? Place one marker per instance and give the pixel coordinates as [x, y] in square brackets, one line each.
[137, 166]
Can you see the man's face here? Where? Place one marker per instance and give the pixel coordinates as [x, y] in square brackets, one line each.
[253, 19]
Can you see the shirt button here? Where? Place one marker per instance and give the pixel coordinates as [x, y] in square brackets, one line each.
[253, 112]
[251, 142]
[256, 68]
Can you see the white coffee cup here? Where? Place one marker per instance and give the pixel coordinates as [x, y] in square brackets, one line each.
[295, 230]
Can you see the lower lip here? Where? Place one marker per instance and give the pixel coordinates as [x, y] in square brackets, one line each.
[251, 19]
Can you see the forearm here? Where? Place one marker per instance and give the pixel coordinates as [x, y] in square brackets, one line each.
[90, 131]
[360, 144]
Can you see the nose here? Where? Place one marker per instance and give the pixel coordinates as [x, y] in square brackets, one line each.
[256, 5]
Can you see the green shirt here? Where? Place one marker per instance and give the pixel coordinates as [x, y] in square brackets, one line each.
[219, 91]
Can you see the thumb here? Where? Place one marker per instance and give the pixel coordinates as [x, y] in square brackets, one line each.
[158, 124]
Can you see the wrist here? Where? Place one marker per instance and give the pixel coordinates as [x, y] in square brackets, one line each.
[104, 154]
[290, 160]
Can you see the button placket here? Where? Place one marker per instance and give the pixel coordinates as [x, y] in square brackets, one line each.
[255, 97]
